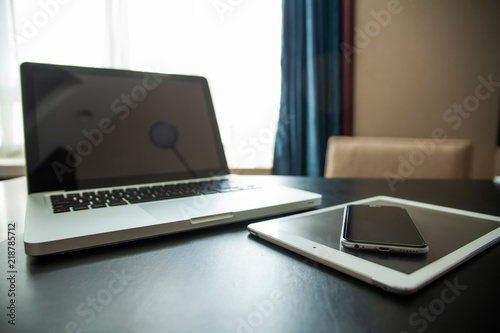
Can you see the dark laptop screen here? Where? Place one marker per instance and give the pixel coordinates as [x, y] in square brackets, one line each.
[87, 127]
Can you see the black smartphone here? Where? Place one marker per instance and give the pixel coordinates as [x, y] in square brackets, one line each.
[381, 228]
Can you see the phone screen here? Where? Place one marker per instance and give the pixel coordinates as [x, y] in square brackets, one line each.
[384, 225]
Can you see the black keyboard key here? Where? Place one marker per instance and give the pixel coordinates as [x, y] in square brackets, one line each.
[99, 205]
[146, 199]
[80, 207]
[61, 210]
[63, 202]
[117, 203]
[55, 198]
[102, 196]
[61, 205]
[103, 193]
[117, 194]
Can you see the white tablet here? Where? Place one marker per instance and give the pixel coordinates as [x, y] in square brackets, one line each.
[453, 236]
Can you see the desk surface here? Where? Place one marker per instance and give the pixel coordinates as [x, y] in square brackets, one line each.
[223, 280]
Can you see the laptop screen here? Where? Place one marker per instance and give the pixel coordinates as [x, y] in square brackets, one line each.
[88, 128]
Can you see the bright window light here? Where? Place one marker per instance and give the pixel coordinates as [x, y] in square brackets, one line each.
[235, 44]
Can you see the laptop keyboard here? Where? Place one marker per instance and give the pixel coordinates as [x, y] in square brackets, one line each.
[110, 198]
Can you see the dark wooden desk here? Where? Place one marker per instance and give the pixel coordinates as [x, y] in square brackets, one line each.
[223, 280]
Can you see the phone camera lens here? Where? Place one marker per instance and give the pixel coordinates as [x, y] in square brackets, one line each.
[356, 246]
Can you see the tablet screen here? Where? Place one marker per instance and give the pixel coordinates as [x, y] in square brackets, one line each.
[443, 231]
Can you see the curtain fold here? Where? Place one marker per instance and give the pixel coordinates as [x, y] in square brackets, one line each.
[310, 90]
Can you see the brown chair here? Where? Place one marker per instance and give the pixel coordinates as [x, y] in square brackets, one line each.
[374, 157]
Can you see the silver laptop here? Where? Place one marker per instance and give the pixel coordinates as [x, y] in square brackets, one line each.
[115, 155]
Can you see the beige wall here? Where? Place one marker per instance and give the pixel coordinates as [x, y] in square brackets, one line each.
[419, 61]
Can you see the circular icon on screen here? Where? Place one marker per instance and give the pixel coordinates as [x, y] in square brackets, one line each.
[164, 135]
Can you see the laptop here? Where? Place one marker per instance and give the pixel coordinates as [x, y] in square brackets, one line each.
[118, 155]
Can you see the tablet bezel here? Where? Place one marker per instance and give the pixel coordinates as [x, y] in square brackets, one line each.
[373, 273]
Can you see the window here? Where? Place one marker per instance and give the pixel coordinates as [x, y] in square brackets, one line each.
[236, 44]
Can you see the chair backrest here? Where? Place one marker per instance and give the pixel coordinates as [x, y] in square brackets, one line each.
[374, 157]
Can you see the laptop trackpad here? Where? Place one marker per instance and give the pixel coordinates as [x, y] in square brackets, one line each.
[196, 209]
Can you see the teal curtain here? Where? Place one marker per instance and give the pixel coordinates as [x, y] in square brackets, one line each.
[310, 89]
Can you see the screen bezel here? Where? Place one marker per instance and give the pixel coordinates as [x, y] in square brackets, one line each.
[36, 183]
